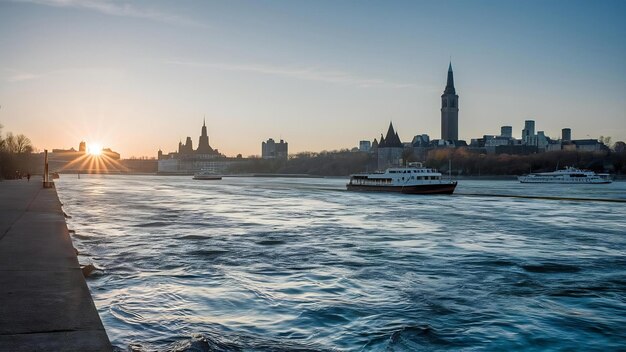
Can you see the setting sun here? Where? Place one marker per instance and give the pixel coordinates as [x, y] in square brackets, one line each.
[94, 149]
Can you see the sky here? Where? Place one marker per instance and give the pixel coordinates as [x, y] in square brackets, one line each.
[142, 75]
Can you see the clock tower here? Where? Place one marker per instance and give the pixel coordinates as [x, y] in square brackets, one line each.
[450, 110]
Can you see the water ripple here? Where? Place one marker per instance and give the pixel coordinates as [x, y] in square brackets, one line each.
[301, 265]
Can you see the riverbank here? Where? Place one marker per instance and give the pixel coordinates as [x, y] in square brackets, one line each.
[45, 304]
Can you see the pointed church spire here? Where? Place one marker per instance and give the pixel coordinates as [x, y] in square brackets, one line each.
[391, 140]
[204, 121]
[390, 132]
[450, 84]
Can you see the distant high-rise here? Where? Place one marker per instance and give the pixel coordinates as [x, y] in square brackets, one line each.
[566, 134]
[528, 133]
[272, 150]
[82, 147]
[541, 140]
[364, 146]
[506, 131]
[450, 110]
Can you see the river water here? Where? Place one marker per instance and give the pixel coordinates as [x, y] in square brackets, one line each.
[269, 264]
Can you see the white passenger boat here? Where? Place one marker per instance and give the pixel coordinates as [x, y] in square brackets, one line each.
[206, 175]
[567, 175]
[414, 179]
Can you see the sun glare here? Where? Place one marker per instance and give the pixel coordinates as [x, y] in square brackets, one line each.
[94, 149]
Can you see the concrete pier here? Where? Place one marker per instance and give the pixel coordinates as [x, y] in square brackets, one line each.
[45, 304]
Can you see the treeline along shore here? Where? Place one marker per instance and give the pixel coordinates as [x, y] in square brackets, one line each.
[463, 161]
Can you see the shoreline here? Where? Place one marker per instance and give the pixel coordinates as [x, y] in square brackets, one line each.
[45, 301]
[616, 178]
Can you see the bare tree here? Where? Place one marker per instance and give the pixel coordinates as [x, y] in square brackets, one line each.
[16, 144]
[605, 140]
[23, 144]
[8, 144]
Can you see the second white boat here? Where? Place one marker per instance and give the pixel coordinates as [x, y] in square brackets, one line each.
[568, 175]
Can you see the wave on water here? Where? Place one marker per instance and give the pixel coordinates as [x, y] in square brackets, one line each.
[252, 264]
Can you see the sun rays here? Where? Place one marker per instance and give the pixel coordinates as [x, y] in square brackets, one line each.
[96, 160]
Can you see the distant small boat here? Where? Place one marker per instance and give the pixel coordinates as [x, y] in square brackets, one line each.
[567, 175]
[205, 175]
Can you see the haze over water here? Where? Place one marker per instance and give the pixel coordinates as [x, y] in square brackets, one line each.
[286, 264]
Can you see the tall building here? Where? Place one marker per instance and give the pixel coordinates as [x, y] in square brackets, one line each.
[506, 131]
[541, 140]
[450, 110]
[566, 134]
[528, 133]
[203, 142]
[272, 150]
[364, 146]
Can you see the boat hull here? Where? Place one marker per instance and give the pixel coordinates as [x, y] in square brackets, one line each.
[439, 188]
[207, 178]
[571, 181]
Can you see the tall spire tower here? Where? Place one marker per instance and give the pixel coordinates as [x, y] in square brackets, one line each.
[450, 110]
[203, 144]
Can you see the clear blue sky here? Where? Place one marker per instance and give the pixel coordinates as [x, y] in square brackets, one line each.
[141, 75]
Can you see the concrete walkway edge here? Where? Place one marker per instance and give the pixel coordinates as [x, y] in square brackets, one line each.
[45, 304]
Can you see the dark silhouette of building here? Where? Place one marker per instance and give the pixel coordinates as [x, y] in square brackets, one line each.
[566, 134]
[374, 146]
[272, 150]
[450, 110]
[365, 146]
[528, 133]
[187, 160]
[186, 148]
[589, 145]
[506, 131]
[203, 142]
[389, 149]
[204, 150]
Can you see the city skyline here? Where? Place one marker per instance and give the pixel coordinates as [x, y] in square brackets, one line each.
[137, 76]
